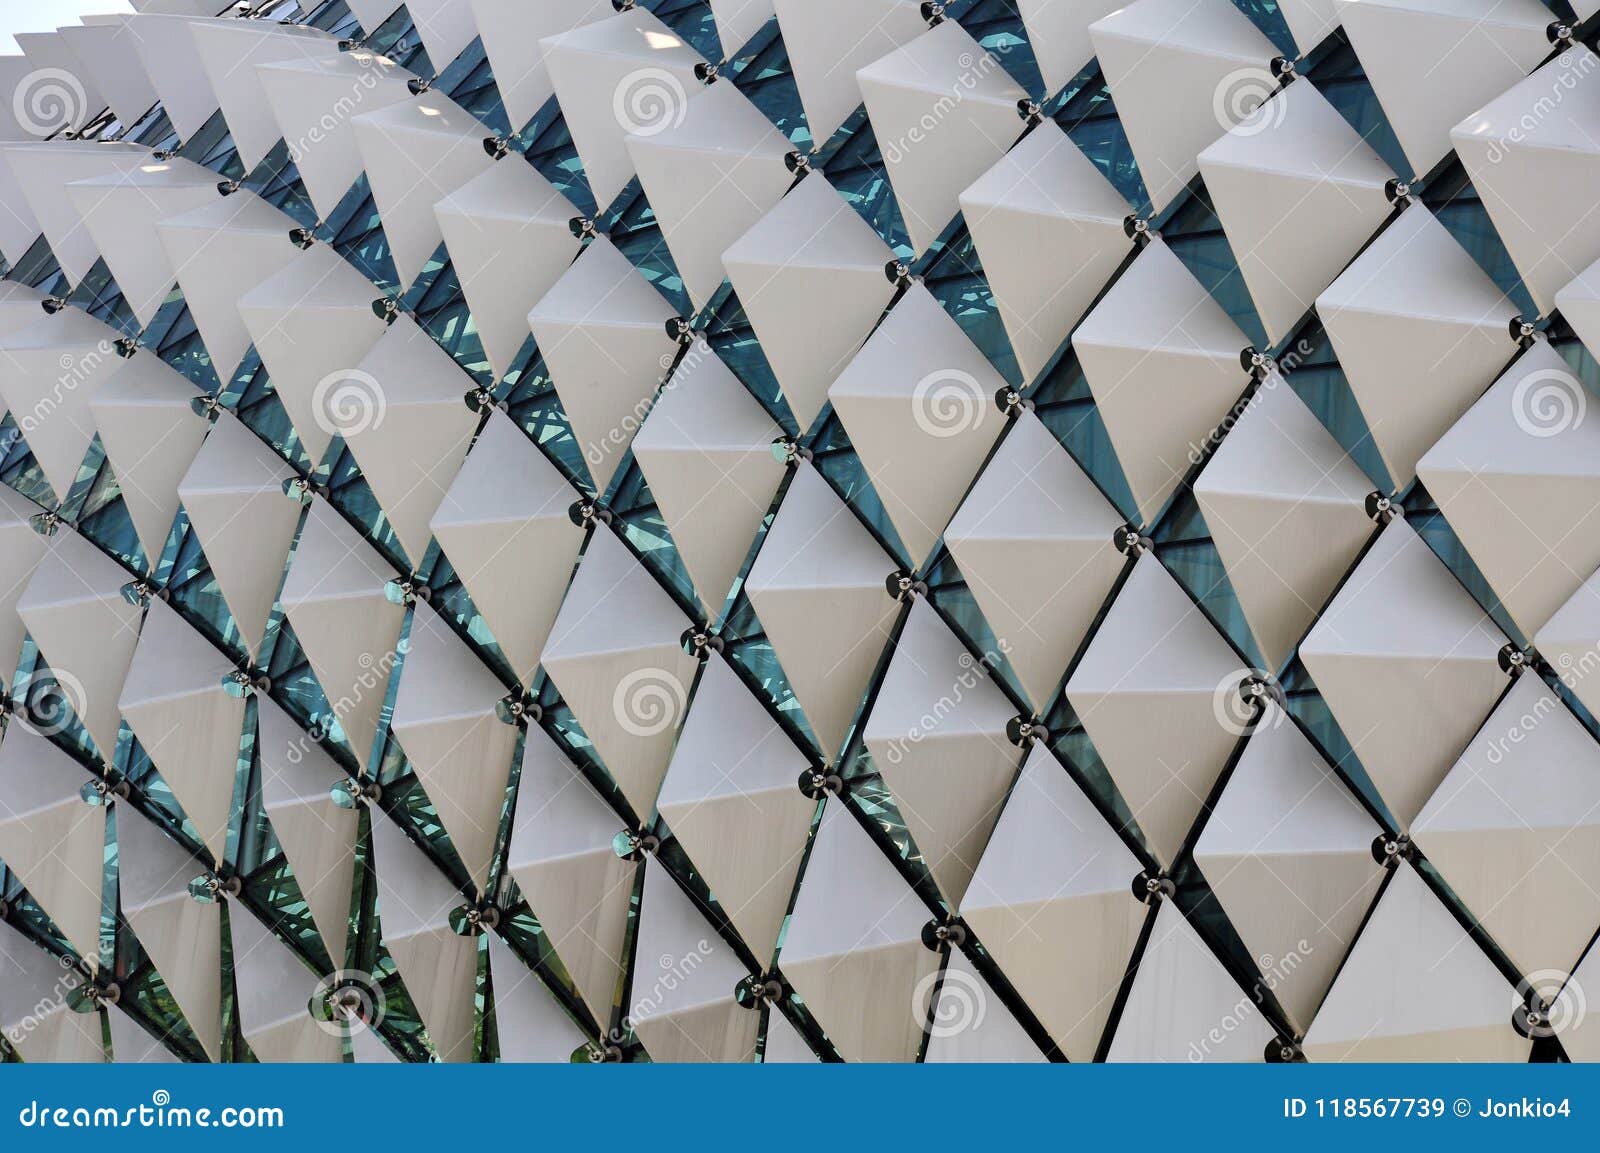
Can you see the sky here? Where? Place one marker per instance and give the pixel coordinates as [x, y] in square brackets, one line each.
[46, 16]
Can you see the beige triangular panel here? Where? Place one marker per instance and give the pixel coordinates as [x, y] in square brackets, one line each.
[1416, 988]
[1286, 507]
[313, 100]
[1147, 691]
[415, 154]
[220, 252]
[444, 719]
[1052, 902]
[509, 241]
[706, 452]
[615, 654]
[51, 840]
[317, 835]
[35, 1017]
[275, 990]
[1431, 62]
[229, 51]
[233, 493]
[1184, 1006]
[21, 549]
[49, 372]
[602, 333]
[732, 799]
[1034, 541]
[573, 880]
[626, 73]
[684, 978]
[1181, 73]
[150, 433]
[333, 596]
[709, 178]
[1058, 32]
[918, 402]
[854, 946]
[184, 719]
[810, 276]
[411, 432]
[971, 1025]
[934, 145]
[818, 587]
[439, 967]
[1298, 192]
[1162, 360]
[1415, 307]
[1408, 665]
[86, 632]
[829, 40]
[1515, 830]
[1518, 478]
[182, 936]
[313, 324]
[42, 172]
[530, 1025]
[513, 33]
[937, 733]
[121, 210]
[505, 529]
[1288, 853]
[160, 37]
[1531, 157]
[1048, 227]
